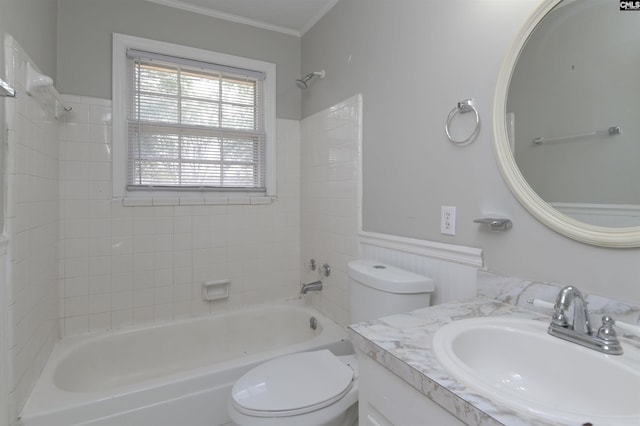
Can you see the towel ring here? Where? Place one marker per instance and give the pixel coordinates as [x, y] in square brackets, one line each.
[463, 107]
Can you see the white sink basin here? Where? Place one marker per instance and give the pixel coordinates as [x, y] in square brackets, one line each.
[515, 363]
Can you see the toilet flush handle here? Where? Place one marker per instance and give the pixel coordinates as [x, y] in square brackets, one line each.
[325, 270]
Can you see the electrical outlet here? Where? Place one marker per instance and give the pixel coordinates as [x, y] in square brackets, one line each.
[448, 220]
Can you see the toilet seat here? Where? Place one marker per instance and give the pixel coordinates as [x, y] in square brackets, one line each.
[292, 385]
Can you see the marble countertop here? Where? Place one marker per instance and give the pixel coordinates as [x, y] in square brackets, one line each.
[402, 344]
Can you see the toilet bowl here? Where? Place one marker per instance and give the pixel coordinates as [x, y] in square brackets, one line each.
[319, 388]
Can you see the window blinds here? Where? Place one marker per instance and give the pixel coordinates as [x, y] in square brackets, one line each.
[194, 125]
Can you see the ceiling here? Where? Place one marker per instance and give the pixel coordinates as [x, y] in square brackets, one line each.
[293, 17]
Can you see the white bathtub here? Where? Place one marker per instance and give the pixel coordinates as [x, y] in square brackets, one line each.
[177, 374]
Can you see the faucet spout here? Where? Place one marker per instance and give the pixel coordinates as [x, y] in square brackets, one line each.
[580, 322]
[314, 286]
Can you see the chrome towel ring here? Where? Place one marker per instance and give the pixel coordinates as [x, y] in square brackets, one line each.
[463, 107]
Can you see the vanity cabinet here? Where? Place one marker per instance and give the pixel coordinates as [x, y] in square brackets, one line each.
[387, 400]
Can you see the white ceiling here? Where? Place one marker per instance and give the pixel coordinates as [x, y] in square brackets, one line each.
[293, 17]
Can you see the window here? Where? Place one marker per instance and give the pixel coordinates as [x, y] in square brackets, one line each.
[191, 120]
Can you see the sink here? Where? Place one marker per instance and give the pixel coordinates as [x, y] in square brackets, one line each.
[515, 363]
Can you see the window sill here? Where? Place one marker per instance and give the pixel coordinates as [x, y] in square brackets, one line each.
[194, 201]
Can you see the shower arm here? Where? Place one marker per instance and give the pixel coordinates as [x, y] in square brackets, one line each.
[315, 74]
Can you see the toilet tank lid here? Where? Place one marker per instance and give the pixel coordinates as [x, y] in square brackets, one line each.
[388, 278]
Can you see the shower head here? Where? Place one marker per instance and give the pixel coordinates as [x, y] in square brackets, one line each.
[302, 83]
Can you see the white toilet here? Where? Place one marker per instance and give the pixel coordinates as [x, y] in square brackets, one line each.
[318, 388]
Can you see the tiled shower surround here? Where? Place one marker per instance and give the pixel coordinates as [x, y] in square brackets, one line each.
[123, 266]
[330, 163]
[32, 230]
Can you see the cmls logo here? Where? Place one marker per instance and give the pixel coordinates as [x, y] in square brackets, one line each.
[629, 5]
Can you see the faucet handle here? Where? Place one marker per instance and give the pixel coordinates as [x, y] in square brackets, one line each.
[311, 264]
[606, 330]
[325, 270]
[559, 318]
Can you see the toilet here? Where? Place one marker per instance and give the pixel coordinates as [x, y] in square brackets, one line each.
[318, 388]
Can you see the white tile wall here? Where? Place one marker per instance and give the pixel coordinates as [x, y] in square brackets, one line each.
[330, 200]
[4, 386]
[123, 266]
[32, 228]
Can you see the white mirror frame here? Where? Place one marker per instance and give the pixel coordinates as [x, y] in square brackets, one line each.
[540, 209]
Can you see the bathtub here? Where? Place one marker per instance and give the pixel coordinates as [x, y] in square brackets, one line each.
[176, 374]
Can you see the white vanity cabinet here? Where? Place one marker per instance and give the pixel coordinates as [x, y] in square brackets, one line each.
[385, 400]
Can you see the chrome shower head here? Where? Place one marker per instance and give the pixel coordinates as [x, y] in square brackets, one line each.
[302, 83]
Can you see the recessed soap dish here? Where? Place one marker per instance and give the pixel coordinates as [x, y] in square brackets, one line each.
[215, 290]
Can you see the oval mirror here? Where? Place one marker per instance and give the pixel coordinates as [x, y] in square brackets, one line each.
[566, 120]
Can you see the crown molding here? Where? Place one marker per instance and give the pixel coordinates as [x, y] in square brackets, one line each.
[311, 22]
[231, 17]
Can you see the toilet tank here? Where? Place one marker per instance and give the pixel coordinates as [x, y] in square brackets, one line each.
[378, 290]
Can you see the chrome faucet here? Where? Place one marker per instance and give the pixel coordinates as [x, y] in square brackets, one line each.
[579, 330]
[314, 286]
[580, 323]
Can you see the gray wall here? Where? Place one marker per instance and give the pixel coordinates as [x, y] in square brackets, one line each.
[33, 24]
[413, 60]
[85, 30]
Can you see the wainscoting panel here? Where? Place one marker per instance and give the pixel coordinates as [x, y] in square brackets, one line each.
[453, 268]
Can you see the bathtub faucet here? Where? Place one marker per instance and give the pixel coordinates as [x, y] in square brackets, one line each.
[314, 286]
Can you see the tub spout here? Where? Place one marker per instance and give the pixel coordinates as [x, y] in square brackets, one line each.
[314, 286]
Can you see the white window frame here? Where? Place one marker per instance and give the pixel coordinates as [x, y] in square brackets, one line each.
[121, 43]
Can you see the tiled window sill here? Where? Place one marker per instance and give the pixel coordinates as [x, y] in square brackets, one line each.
[194, 201]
